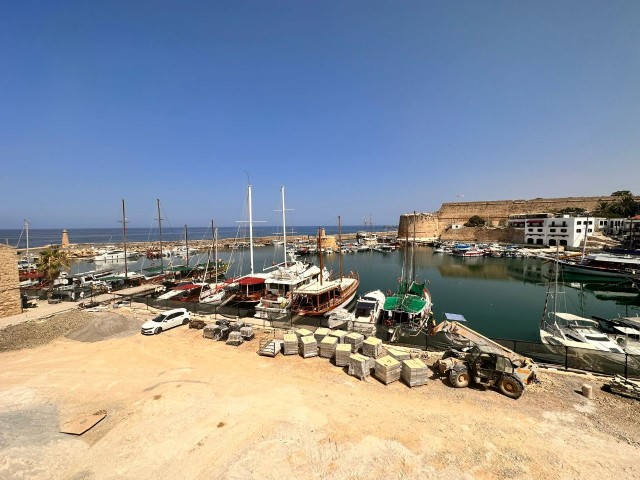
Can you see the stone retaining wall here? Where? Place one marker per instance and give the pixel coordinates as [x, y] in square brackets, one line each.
[9, 282]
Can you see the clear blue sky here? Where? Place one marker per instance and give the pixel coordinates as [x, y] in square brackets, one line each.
[357, 107]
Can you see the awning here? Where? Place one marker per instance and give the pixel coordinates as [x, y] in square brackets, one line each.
[250, 281]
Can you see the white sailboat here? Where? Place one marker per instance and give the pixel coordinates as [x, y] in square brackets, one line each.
[284, 278]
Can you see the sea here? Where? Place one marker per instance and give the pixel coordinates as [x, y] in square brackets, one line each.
[42, 237]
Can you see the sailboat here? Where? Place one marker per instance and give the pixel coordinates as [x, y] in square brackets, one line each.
[323, 296]
[568, 330]
[248, 289]
[408, 310]
[284, 278]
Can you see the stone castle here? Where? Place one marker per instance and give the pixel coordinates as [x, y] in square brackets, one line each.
[496, 213]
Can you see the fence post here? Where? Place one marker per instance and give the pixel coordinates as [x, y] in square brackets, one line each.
[626, 364]
[566, 357]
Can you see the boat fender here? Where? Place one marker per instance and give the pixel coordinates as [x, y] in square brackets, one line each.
[388, 322]
[388, 293]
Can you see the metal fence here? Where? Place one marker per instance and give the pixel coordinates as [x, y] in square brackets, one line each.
[607, 363]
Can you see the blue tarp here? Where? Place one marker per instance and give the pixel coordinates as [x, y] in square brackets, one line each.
[454, 317]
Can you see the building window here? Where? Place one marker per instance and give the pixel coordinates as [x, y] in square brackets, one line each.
[578, 230]
[579, 222]
[563, 230]
[552, 229]
[531, 229]
[539, 229]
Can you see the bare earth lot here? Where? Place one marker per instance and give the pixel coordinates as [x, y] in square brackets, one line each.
[181, 406]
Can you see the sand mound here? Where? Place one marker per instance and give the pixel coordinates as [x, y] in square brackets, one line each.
[103, 326]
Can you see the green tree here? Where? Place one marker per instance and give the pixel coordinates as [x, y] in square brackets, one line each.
[572, 211]
[622, 193]
[475, 221]
[51, 261]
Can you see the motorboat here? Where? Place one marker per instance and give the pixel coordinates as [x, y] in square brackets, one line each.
[115, 256]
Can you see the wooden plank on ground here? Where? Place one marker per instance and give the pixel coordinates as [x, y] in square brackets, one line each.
[82, 423]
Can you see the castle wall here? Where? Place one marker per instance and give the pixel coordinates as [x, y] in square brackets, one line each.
[433, 225]
[9, 282]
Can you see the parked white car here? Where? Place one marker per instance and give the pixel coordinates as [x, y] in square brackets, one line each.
[165, 321]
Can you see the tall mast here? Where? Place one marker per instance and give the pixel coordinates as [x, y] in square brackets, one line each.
[413, 246]
[284, 227]
[26, 226]
[319, 246]
[340, 246]
[214, 233]
[250, 231]
[186, 243]
[124, 240]
[160, 234]
[584, 244]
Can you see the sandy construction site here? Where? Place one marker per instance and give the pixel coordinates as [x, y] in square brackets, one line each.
[181, 406]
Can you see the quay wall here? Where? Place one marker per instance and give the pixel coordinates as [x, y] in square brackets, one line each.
[10, 303]
[496, 213]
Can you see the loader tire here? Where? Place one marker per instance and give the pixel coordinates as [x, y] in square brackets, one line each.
[459, 377]
[511, 386]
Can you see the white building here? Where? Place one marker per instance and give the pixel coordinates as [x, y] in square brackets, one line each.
[564, 231]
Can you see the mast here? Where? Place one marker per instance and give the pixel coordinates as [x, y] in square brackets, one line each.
[186, 244]
[319, 246]
[284, 228]
[215, 248]
[250, 231]
[584, 244]
[26, 226]
[413, 246]
[160, 233]
[339, 247]
[124, 239]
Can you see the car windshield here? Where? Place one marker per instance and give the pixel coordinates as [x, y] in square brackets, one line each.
[159, 318]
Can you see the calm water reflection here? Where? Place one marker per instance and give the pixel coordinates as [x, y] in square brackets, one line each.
[500, 297]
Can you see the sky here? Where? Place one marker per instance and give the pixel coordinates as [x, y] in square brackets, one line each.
[363, 109]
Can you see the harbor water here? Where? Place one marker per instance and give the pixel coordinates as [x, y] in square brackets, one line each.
[500, 297]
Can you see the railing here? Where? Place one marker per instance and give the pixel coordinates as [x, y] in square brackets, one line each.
[607, 363]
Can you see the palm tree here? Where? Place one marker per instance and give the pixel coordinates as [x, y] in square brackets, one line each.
[51, 261]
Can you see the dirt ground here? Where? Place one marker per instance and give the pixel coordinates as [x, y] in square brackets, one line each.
[182, 406]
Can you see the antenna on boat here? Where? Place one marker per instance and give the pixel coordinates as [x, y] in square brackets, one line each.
[160, 233]
[124, 239]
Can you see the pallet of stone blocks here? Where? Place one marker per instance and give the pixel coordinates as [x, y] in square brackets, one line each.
[372, 347]
[414, 372]
[355, 340]
[320, 333]
[399, 354]
[328, 346]
[387, 369]
[208, 331]
[359, 366]
[290, 344]
[339, 334]
[246, 332]
[234, 339]
[308, 347]
[303, 332]
[624, 386]
[343, 352]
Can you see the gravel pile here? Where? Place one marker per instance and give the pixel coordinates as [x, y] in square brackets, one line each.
[76, 325]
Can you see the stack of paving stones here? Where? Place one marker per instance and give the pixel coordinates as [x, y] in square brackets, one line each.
[414, 372]
[359, 366]
[355, 340]
[320, 333]
[328, 346]
[247, 332]
[234, 339]
[387, 369]
[290, 344]
[339, 334]
[398, 353]
[343, 352]
[308, 346]
[208, 331]
[303, 332]
[372, 347]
